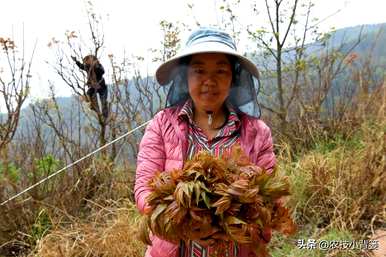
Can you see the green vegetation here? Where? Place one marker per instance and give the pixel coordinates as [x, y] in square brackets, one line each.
[13, 173]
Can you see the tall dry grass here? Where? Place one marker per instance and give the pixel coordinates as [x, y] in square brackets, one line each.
[65, 201]
[109, 231]
[341, 183]
[344, 188]
[338, 185]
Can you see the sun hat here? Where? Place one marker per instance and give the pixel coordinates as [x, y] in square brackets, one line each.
[244, 89]
[204, 40]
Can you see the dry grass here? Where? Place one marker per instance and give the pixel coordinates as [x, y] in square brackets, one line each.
[341, 183]
[110, 231]
[63, 200]
[338, 187]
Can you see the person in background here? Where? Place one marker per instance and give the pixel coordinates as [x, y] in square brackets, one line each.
[211, 105]
[95, 82]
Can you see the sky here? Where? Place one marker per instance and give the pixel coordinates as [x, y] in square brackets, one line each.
[133, 26]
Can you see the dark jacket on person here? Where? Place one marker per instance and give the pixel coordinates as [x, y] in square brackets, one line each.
[94, 74]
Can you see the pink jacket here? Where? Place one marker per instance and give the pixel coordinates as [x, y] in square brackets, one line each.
[164, 147]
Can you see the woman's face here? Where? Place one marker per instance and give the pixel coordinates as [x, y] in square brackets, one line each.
[209, 79]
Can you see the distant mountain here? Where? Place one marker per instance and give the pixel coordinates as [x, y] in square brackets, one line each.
[367, 49]
[369, 39]
[368, 32]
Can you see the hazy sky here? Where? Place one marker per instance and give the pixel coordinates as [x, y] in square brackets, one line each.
[134, 25]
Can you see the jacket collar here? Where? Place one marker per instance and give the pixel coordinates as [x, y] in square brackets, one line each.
[232, 122]
[247, 131]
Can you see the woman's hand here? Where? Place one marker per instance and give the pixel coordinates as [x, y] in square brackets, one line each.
[266, 235]
[148, 209]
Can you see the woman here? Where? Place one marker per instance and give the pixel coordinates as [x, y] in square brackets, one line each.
[210, 83]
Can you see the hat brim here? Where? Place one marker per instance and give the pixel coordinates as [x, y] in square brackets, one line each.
[165, 70]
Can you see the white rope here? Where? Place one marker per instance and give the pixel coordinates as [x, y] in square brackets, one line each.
[75, 162]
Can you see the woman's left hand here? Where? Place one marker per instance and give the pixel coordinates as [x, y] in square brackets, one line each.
[266, 234]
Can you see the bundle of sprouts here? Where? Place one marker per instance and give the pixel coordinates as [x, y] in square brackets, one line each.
[217, 199]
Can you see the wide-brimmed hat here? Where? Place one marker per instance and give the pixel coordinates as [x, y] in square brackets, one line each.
[204, 40]
[244, 88]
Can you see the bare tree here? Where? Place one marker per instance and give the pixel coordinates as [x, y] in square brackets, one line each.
[296, 68]
[15, 75]
[274, 41]
[136, 96]
[14, 82]
[68, 72]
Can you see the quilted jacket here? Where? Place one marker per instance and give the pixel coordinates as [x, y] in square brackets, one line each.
[164, 147]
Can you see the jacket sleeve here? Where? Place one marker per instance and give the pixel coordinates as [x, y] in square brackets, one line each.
[80, 65]
[266, 159]
[265, 156]
[151, 158]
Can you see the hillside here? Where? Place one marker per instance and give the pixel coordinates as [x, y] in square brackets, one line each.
[337, 194]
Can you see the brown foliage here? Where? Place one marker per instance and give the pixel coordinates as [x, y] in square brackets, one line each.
[219, 200]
